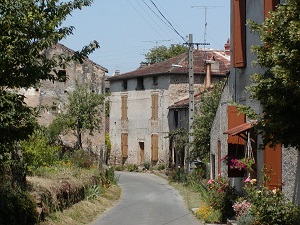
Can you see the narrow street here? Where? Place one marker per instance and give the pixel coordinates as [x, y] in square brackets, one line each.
[147, 200]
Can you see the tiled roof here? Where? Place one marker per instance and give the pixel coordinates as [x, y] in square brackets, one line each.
[167, 67]
[184, 103]
[85, 58]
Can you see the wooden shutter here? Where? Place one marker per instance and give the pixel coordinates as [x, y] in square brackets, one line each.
[273, 164]
[154, 107]
[270, 5]
[124, 107]
[236, 145]
[239, 33]
[124, 145]
[235, 118]
[154, 147]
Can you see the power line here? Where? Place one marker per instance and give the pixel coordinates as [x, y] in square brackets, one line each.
[144, 18]
[173, 28]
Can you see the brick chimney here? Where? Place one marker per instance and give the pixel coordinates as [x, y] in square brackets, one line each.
[227, 47]
[207, 80]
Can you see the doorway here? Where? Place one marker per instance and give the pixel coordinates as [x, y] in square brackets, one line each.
[141, 153]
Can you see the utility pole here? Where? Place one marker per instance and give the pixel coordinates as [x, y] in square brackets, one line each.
[191, 101]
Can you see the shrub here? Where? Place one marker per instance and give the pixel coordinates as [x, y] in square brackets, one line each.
[270, 207]
[147, 165]
[119, 168]
[132, 167]
[38, 152]
[208, 214]
[93, 191]
[221, 195]
[82, 159]
[17, 207]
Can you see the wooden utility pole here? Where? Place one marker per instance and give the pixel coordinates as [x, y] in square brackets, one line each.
[191, 101]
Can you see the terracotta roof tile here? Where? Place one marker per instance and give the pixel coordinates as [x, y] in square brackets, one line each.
[166, 67]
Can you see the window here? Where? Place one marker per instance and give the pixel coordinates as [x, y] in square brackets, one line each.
[154, 147]
[140, 83]
[155, 80]
[239, 33]
[176, 118]
[62, 76]
[124, 85]
[124, 145]
[124, 107]
[154, 106]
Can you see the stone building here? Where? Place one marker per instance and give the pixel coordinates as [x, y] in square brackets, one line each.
[50, 97]
[232, 135]
[139, 116]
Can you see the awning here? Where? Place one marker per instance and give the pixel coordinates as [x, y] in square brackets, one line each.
[240, 129]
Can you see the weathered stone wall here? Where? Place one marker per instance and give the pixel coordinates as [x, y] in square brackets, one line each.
[291, 174]
[50, 97]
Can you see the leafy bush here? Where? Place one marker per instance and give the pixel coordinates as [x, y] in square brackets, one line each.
[208, 214]
[119, 168]
[38, 152]
[270, 207]
[17, 207]
[147, 165]
[93, 191]
[82, 159]
[221, 195]
[132, 167]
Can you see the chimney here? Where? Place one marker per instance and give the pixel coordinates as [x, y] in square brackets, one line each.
[227, 47]
[207, 81]
[117, 72]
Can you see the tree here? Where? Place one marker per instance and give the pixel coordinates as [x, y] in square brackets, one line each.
[278, 88]
[82, 112]
[162, 53]
[28, 28]
[203, 121]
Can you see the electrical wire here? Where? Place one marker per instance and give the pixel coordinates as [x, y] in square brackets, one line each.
[173, 28]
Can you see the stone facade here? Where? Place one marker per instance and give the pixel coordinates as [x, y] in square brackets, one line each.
[235, 90]
[170, 85]
[50, 97]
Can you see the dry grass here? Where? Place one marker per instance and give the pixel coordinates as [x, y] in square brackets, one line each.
[85, 212]
[192, 198]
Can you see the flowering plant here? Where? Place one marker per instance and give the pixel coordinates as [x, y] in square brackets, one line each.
[224, 159]
[267, 206]
[244, 163]
[220, 196]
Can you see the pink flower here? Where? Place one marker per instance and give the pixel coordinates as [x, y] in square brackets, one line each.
[247, 180]
[210, 181]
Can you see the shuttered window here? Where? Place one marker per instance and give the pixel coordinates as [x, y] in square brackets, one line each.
[154, 147]
[270, 5]
[239, 33]
[236, 145]
[124, 145]
[154, 107]
[235, 118]
[124, 107]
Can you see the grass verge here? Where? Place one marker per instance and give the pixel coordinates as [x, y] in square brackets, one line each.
[85, 211]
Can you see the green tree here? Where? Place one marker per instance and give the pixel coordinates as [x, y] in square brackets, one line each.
[28, 28]
[203, 121]
[162, 53]
[83, 111]
[278, 88]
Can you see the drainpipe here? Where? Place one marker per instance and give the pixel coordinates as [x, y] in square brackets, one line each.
[207, 81]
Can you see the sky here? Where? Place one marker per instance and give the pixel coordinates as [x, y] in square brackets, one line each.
[127, 29]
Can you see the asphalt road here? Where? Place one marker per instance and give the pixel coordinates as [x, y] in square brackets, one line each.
[147, 200]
